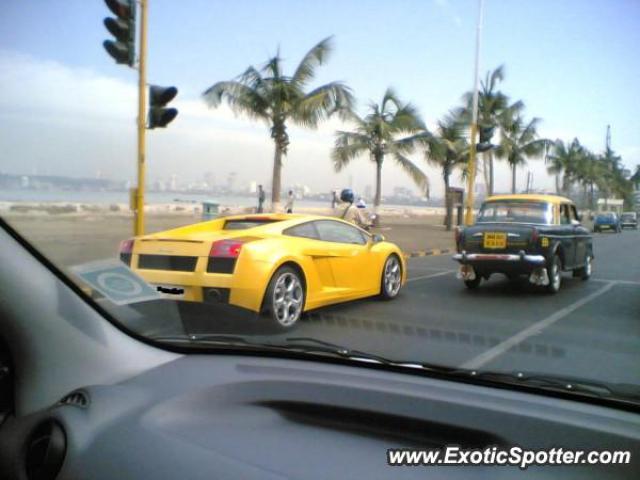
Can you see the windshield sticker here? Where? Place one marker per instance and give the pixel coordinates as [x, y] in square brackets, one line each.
[116, 282]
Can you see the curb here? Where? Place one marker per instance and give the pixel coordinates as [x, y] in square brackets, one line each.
[429, 253]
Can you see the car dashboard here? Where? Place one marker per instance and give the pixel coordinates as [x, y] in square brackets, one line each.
[219, 416]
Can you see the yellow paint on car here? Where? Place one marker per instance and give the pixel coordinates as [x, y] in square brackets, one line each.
[333, 272]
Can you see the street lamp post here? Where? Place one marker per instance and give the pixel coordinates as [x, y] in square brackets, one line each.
[474, 123]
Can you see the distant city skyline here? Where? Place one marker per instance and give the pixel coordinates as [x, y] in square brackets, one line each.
[65, 107]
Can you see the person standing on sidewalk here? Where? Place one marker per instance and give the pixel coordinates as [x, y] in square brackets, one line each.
[288, 207]
[261, 198]
[334, 199]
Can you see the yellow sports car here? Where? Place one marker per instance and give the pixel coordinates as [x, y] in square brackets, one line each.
[278, 264]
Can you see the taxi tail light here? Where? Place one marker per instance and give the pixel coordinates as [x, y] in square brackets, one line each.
[534, 236]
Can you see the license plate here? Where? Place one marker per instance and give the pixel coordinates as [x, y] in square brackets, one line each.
[173, 292]
[495, 240]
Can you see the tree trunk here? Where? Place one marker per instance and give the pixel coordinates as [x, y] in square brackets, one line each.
[447, 201]
[378, 198]
[485, 171]
[490, 172]
[592, 200]
[557, 183]
[513, 178]
[276, 178]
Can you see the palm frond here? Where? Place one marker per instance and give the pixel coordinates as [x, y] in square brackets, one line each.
[348, 146]
[312, 59]
[240, 97]
[322, 102]
[411, 169]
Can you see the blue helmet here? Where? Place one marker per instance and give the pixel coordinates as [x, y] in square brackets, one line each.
[347, 195]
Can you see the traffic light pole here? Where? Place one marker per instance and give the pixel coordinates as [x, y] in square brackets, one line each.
[138, 228]
[468, 219]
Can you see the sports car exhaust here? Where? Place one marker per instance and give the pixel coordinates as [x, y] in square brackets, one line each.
[466, 272]
[539, 277]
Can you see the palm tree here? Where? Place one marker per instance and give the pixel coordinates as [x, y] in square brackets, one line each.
[614, 180]
[519, 141]
[493, 111]
[635, 178]
[389, 128]
[447, 149]
[589, 174]
[563, 161]
[269, 95]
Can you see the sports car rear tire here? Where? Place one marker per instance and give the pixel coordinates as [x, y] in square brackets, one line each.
[391, 280]
[285, 298]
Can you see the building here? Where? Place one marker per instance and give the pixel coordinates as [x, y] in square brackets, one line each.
[610, 205]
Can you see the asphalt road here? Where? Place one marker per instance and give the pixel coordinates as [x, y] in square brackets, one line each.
[589, 329]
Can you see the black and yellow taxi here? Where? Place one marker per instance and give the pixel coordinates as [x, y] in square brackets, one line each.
[539, 236]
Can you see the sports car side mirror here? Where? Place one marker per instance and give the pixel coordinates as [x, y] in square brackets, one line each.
[377, 238]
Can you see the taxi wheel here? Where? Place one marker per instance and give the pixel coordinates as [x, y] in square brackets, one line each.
[284, 299]
[471, 284]
[555, 275]
[585, 272]
[391, 280]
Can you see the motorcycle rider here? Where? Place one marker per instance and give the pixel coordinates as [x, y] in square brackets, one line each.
[350, 212]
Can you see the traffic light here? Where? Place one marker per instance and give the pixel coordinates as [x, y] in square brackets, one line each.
[159, 116]
[486, 132]
[123, 28]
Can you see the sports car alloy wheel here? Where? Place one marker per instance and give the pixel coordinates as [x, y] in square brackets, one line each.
[391, 277]
[287, 298]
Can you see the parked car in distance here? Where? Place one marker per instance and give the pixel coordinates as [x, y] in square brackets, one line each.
[607, 221]
[629, 220]
[539, 236]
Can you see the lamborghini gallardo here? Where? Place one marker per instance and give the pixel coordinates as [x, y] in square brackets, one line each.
[280, 265]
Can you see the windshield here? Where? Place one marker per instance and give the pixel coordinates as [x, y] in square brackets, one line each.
[516, 212]
[203, 191]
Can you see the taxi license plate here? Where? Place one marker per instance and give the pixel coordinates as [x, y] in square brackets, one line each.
[495, 240]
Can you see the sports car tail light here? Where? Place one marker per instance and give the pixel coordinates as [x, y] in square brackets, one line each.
[126, 247]
[223, 255]
[226, 249]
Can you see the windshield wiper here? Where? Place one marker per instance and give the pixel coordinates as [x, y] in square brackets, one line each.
[625, 393]
[294, 344]
[560, 383]
[297, 344]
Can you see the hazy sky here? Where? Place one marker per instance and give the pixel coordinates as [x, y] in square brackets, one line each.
[67, 108]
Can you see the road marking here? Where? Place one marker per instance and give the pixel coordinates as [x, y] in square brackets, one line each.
[622, 282]
[503, 347]
[423, 277]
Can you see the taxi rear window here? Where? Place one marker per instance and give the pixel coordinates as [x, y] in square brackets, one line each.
[514, 211]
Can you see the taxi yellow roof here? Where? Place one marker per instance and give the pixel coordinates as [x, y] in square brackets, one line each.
[531, 196]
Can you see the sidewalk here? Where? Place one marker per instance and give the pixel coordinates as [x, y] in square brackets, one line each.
[418, 236]
[71, 240]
